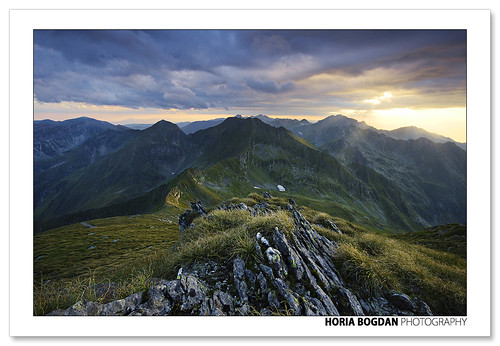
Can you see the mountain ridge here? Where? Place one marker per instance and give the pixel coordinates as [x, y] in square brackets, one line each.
[240, 154]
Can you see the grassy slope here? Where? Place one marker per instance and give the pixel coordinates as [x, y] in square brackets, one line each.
[65, 266]
[450, 238]
[66, 251]
[430, 176]
[144, 163]
[240, 176]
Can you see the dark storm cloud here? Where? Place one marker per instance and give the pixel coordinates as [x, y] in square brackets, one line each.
[270, 86]
[199, 69]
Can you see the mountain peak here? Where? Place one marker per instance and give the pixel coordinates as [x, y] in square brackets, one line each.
[249, 120]
[163, 124]
[339, 120]
[163, 129]
[414, 132]
[262, 116]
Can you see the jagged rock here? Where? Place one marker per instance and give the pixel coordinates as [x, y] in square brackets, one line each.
[239, 279]
[378, 306]
[199, 208]
[238, 268]
[174, 290]
[292, 272]
[292, 259]
[401, 301]
[122, 306]
[240, 206]
[334, 226]
[365, 306]
[262, 284]
[265, 312]
[251, 277]
[223, 303]
[330, 307]
[158, 304]
[241, 287]
[267, 271]
[245, 310]
[206, 307]
[194, 292]
[261, 239]
[395, 304]
[275, 260]
[263, 208]
[266, 195]
[292, 202]
[421, 308]
[287, 294]
[80, 308]
[348, 303]
[186, 218]
[313, 307]
[258, 251]
[273, 301]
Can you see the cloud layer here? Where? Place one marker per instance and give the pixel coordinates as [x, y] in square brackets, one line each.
[295, 72]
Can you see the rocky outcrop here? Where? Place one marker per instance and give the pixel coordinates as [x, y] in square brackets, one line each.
[186, 218]
[292, 274]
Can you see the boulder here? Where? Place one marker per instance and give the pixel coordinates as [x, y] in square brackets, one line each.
[401, 301]
[186, 218]
[122, 306]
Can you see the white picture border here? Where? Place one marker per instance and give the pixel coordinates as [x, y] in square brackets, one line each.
[22, 24]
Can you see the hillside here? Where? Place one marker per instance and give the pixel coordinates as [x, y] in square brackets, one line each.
[54, 138]
[413, 132]
[195, 126]
[142, 164]
[430, 176]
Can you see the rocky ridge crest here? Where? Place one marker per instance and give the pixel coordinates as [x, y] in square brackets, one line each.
[293, 275]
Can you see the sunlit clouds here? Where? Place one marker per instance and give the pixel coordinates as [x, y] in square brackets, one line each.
[377, 100]
[184, 75]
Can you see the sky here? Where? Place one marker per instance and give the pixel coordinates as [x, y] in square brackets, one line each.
[388, 78]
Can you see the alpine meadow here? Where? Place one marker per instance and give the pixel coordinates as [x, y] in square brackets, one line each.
[249, 172]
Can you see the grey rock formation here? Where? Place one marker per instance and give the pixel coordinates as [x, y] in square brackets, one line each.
[292, 273]
[185, 219]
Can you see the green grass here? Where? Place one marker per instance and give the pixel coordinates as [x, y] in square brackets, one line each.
[114, 244]
[61, 294]
[451, 238]
[376, 262]
[66, 265]
[220, 236]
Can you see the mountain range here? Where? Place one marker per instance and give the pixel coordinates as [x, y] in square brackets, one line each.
[384, 179]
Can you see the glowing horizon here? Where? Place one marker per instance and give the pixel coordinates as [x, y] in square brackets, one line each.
[432, 120]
